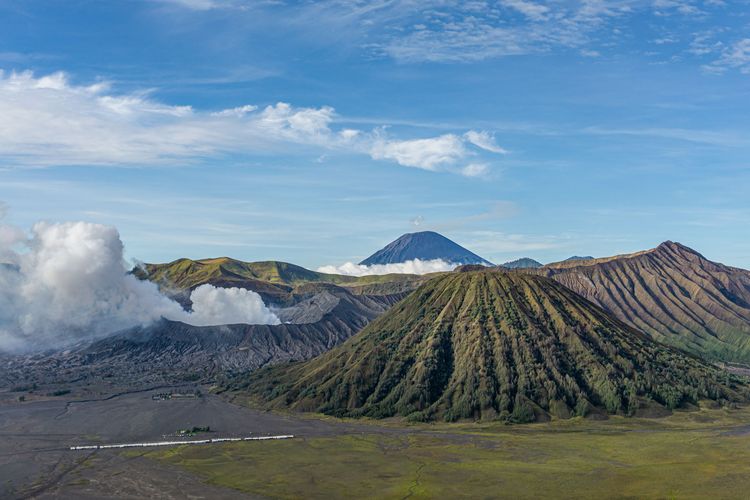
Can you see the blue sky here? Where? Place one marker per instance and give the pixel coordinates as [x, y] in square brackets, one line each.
[317, 132]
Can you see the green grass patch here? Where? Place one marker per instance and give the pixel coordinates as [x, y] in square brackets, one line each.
[700, 454]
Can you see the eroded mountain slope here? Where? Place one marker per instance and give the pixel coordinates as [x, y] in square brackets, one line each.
[672, 293]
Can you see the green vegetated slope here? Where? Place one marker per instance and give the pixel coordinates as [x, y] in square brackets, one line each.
[672, 293]
[486, 344]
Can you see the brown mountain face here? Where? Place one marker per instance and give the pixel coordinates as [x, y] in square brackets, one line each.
[492, 344]
[672, 293]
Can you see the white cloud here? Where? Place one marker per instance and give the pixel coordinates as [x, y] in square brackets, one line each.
[485, 140]
[444, 152]
[427, 154]
[297, 124]
[534, 11]
[348, 134]
[67, 282]
[48, 121]
[475, 170]
[415, 266]
[194, 4]
[239, 111]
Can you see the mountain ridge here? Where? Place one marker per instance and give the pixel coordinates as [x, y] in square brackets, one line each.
[672, 293]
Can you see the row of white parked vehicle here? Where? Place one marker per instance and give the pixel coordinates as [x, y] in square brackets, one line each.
[176, 443]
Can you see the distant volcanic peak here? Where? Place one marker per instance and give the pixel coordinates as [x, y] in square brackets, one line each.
[522, 263]
[425, 245]
[493, 344]
[578, 257]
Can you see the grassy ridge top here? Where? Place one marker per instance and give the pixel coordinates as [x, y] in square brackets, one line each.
[493, 344]
[187, 274]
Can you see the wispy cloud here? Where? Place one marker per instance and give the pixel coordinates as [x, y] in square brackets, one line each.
[723, 52]
[48, 120]
[484, 140]
[453, 31]
[196, 4]
[496, 211]
[461, 34]
[532, 10]
[722, 138]
[495, 242]
[735, 56]
[682, 7]
[475, 170]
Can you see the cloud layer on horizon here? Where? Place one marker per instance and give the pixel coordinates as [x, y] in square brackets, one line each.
[415, 266]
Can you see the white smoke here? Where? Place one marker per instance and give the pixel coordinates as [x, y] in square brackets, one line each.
[68, 282]
[415, 266]
[220, 306]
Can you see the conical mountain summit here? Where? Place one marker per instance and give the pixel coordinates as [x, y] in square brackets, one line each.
[425, 245]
